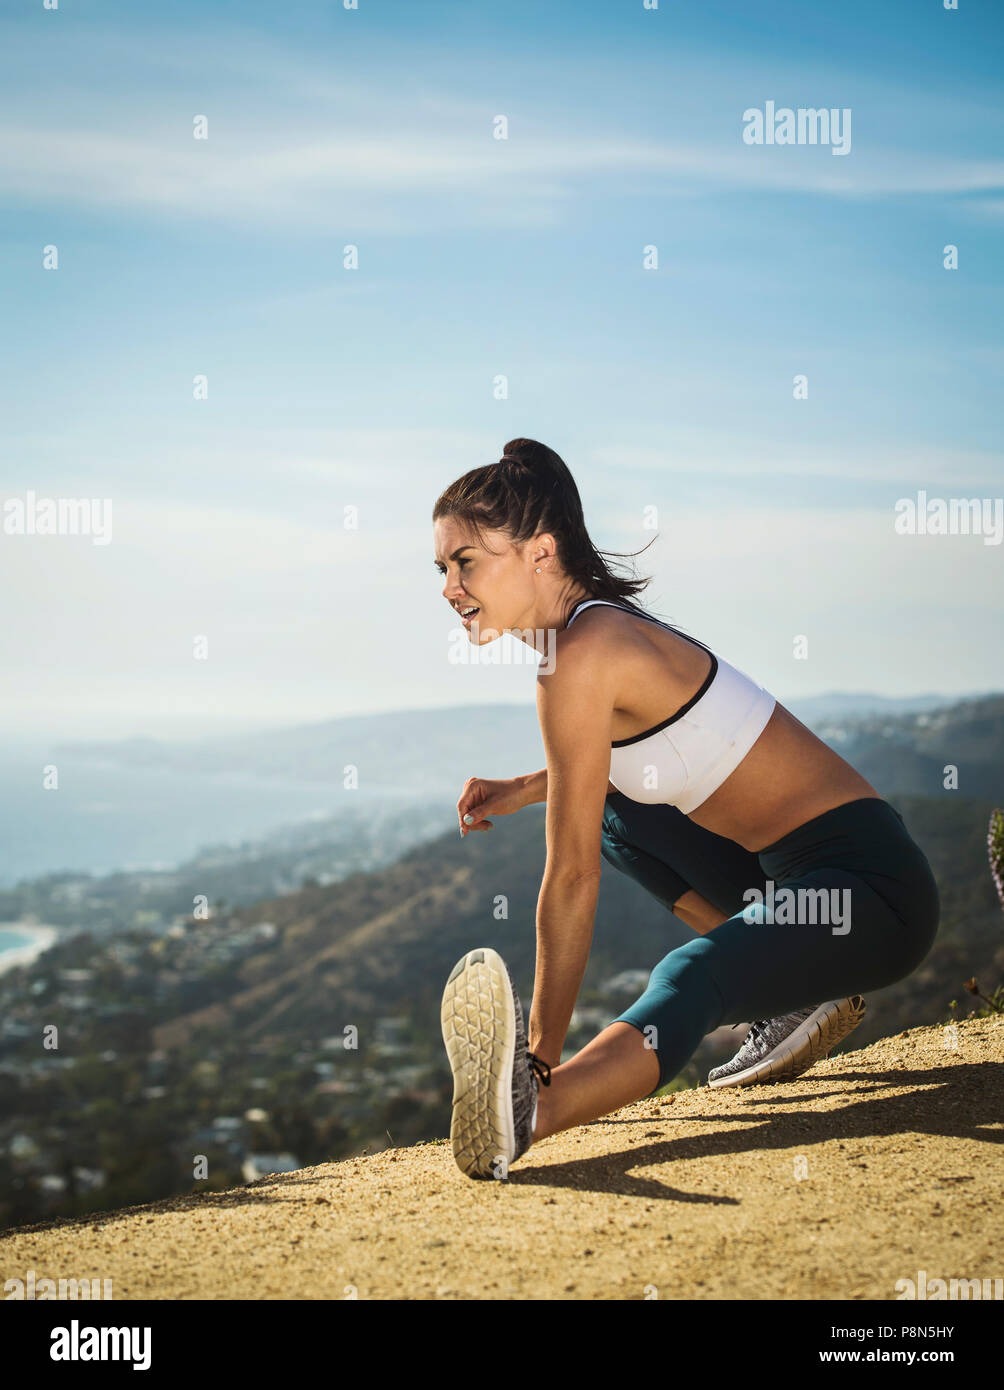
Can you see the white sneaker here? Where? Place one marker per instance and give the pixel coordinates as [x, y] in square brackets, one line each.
[495, 1077]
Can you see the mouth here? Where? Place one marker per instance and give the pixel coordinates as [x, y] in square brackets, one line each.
[468, 614]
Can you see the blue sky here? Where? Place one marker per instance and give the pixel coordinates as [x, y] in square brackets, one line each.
[668, 388]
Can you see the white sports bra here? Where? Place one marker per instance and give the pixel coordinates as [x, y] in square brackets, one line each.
[686, 757]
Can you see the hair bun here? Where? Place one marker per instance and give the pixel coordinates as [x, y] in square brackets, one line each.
[527, 452]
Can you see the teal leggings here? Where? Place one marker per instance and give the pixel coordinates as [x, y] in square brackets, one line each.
[866, 916]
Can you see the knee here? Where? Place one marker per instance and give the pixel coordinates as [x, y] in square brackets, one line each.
[687, 971]
[924, 921]
[681, 1004]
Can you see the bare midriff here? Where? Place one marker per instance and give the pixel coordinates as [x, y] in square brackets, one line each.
[789, 775]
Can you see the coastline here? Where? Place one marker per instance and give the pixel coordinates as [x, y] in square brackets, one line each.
[41, 939]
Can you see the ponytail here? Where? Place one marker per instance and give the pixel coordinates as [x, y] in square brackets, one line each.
[529, 491]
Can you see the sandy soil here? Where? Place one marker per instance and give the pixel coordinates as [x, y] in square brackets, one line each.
[873, 1166]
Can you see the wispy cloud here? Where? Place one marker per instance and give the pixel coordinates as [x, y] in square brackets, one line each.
[356, 183]
[712, 453]
[293, 144]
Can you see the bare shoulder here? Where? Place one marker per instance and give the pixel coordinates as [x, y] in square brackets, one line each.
[577, 692]
[617, 632]
[597, 636]
[584, 668]
[631, 665]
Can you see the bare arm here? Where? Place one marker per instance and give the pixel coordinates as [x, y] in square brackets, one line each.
[535, 785]
[575, 704]
[566, 910]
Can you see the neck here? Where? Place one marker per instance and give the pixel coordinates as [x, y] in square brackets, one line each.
[549, 615]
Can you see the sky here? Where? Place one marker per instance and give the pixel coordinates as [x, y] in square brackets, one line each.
[648, 284]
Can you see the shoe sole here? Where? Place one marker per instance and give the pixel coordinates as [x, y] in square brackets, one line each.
[812, 1040]
[478, 1018]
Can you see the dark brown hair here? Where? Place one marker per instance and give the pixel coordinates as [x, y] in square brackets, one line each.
[528, 491]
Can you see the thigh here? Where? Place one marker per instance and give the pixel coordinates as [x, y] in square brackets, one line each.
[654, 875]
[848, 933]
[666, 852]
[824, 935]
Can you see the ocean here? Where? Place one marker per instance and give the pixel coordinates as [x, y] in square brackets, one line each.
[11, 939]
[104, 817]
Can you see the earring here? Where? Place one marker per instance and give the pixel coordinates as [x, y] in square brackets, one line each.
[537, 570]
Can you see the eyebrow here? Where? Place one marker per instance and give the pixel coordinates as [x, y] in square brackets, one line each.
[459, 551]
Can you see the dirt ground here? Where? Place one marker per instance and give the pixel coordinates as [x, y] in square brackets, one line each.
[874, 1166]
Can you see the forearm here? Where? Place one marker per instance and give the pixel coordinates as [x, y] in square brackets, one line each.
[535, 786]
[566, 911]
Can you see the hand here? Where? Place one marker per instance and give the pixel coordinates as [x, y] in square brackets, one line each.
[482, 797]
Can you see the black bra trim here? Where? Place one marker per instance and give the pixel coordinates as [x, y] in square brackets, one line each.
[705, 684]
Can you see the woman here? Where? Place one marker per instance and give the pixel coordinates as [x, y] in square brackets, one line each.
[648, 733]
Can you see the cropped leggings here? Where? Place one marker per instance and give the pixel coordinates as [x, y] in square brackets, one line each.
[844, 904]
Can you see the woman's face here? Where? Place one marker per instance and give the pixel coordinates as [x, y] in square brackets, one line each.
[497, 586]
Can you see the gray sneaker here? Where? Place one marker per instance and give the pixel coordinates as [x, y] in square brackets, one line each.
[778, 1049]
[495, 1077]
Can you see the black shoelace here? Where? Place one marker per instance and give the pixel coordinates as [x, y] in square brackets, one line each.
[540, 1068]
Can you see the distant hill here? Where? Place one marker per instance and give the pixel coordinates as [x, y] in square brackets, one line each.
[385, 941]
[841, 705]
[902, 754]
[421, 751]
[430, 753]
[906, 754]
